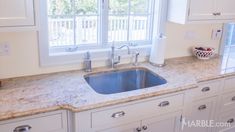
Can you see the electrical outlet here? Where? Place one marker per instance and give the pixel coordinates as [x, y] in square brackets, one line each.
[4, 48]
[216, 34]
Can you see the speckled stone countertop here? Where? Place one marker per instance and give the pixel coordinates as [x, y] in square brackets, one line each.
[68, 90]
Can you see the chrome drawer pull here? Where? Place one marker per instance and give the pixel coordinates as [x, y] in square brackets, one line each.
[206, 89]
[164, 104]
[233, 99]
[202, 107]
[24, 128]
[118, 114]
[230, 121]
[218, 14]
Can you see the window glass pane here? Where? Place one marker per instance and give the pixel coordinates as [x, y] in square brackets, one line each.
[86, 7]
[86, 29]
[72, 22]
[60, 30]
[118, 6]
[139, 6]
[139, 29]
[129, 20]
[118, 28]
[229, 49]
[60, 7]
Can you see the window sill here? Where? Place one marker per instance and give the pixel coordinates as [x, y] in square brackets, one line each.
[97, 55]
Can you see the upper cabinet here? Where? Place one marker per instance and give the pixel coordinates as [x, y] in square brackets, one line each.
[199, 11]
[16, 13]
[226, 9]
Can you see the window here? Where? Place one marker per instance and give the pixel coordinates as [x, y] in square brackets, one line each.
[71, 26]
[229, 46]
[72, 22]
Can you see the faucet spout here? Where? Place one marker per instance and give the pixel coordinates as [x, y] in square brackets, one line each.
[128, 48]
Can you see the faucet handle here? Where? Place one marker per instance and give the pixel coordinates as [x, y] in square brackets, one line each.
[118, 59]
[135, 55]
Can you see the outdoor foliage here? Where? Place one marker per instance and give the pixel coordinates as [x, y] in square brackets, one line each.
[80, 7]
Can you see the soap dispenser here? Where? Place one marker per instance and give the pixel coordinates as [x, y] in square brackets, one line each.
[87, 62]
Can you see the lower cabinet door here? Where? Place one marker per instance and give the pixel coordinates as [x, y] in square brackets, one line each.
[228, 118]
[201, 113]
[228, 130]
[168, 123]
[131, 127]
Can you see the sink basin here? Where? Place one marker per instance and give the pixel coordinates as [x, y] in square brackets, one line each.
[123, 80]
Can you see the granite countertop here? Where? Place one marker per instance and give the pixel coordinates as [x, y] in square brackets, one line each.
[68, 90]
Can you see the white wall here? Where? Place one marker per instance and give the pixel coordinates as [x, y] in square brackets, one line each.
[178, 44]
[24, 59]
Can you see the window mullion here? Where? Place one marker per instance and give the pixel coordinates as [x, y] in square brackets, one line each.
[104, 22]
[150, 18]
[74, 23]
[128, 26]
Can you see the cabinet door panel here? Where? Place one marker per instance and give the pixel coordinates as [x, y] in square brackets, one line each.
[123, 128]
[16, 13]
[201, 110]
[166, 123]
[201, 9]
[226, 8]
[228, 117]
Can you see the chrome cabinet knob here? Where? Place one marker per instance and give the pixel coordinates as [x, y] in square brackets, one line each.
[145, 127]
[24, 128]
[138, 129]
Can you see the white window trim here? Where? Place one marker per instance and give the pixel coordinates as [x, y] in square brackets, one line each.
[101, 54]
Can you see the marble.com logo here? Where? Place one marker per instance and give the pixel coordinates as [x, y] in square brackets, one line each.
[203, 123]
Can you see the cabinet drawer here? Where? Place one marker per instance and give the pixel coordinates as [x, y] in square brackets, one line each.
[128, 113]
[205, 90]
[228, 101]
[229, 84]
[228, 117]
[203, 109]
[47, 123]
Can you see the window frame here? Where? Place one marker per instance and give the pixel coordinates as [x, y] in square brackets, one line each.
[101, 50]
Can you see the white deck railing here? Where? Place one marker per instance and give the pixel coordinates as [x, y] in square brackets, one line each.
[63, 31]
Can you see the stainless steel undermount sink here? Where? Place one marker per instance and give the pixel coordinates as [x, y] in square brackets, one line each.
[123, 80]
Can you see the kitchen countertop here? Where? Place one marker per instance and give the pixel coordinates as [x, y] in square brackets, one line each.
[31, 95]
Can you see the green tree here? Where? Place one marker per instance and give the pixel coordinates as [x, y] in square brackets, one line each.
[60, 7]
[65, 7]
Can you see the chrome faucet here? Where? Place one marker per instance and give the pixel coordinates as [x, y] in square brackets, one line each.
[135, 56]
[128, 48]
[114, 60]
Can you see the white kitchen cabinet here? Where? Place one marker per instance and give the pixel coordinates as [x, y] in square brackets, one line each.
[17, 13]
[170, 122]
[131, 127]
[150, 114]
[201, 11]
[48, 122]
[165, 123]
[227, 117]
[203, 110]
[226, 9]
